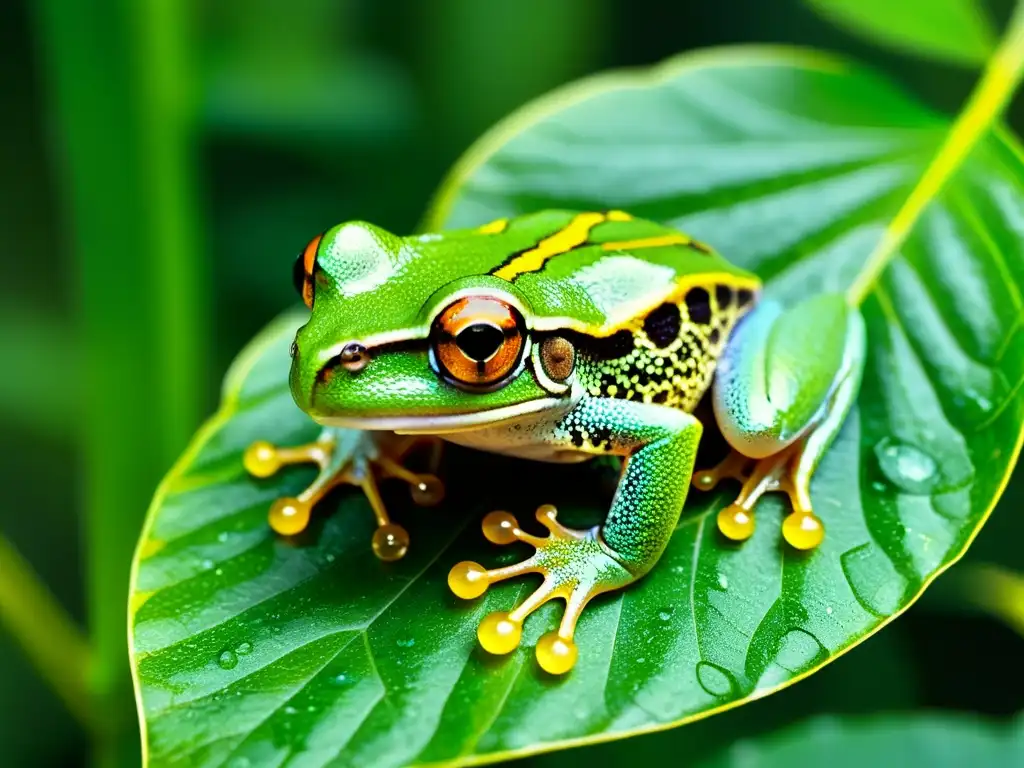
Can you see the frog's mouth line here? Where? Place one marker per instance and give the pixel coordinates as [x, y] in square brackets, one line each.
[444, 423]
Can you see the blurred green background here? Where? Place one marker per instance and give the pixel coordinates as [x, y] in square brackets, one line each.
[163, 162]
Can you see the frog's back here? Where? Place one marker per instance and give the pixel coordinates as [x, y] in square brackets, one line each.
[649, 308]
[594, 272]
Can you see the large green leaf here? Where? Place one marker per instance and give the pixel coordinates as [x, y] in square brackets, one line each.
[247, 647]
[939, 740]
[956, 31]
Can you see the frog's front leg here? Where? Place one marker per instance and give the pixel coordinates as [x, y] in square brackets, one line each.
[659, 445]
[781, 393]
[352, 457]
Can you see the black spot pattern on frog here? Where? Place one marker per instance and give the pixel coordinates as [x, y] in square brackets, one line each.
[662, 325]
[669, 356]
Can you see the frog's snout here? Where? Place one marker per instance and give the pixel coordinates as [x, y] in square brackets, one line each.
[313, 372]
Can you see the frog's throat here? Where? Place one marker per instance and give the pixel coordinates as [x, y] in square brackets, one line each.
[441, 424]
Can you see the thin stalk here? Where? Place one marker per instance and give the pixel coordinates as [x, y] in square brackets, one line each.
[120, 95]
[988, 588]
[50, 639]
[985, 105]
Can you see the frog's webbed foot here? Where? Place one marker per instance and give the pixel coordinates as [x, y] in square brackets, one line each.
[788, 471]
[362, 460]
[575, 565]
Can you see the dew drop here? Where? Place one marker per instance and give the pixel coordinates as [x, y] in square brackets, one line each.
[207, 565]
[906, 466]
[330, 557]
[714, 679]
[227, 660]
[342, 680]
[290, 710]
[219, 572]
[828, 610]
[665, 614]
[797, 652]
[243, 648]
[222, 537]
[406, 642]
[723, 581]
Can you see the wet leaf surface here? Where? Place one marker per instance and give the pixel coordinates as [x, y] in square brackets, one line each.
[251, 650]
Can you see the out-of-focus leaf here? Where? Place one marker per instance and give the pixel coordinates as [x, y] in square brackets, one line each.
[250, 648]
[936, 740]
[33, 347]
[353, 100]
[956, 31]
[299, 79]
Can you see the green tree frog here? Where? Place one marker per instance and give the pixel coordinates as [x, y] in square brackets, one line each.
[558, 336]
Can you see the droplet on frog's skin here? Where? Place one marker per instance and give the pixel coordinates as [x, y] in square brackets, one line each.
[906, 466]
[227, 660]
[243, 648]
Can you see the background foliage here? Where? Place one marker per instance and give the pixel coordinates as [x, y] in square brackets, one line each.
[232, 130]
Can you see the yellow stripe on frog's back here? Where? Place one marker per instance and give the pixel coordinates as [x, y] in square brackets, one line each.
[573, 235]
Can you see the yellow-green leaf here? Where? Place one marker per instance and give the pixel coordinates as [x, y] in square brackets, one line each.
[956, 31]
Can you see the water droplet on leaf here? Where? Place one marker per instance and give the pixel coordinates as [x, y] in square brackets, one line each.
[907, 467]
[714, 679]
[227, 660]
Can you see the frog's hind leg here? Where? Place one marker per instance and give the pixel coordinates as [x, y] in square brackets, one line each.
[659, 445]
[784, 390]
[347, 457]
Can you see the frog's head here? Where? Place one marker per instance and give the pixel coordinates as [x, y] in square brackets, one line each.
[413, 335]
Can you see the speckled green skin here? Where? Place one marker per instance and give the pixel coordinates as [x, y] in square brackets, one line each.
[648, 318]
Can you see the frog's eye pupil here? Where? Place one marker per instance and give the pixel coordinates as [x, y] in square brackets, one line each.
[481, 341]
[478, 341]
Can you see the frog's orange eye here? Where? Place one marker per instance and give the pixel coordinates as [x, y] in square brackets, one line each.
[302, 272]
[478, 340]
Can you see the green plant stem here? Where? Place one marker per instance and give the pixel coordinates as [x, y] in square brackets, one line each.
[985, 105]
[988, 588]
[49, 637]
[120, 93]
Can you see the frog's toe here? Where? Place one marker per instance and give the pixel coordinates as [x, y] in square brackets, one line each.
[787, 472]
[576, 567]
[361, 462]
